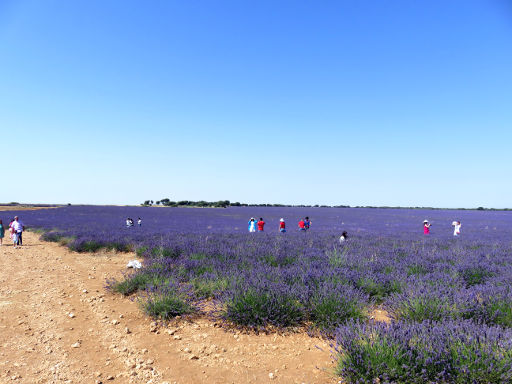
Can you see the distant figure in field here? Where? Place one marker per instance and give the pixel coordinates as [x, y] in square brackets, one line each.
[282, 225]
[456, 228]
[343, 237]
[426, 227]
[129, 222]
[302, 225]
[139, 221]
[17, 230]
[307, 223]
[261, 224]
[2, 232]
[252, 225]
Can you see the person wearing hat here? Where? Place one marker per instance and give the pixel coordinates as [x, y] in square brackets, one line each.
[252, 225]
[426, 227]
[282, 225]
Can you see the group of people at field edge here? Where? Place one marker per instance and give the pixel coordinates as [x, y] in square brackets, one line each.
[455, 224]
[131, 223]
[253, 225]
[16, 229]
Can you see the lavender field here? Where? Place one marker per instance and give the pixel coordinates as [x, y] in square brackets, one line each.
[448, 297]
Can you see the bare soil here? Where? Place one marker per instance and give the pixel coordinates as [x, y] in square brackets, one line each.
[22, 208]
[58, 324]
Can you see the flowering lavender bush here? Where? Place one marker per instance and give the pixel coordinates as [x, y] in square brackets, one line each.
[331, 305]
[449, 298]
[426, 352]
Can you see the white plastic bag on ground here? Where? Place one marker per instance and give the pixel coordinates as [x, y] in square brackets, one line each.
[134, 264]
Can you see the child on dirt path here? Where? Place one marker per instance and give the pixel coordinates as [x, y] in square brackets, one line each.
[18, 228]
[11, 230]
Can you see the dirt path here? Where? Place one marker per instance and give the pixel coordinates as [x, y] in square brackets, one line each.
[58, 324]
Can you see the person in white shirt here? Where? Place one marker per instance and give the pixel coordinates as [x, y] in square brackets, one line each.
[139, 221]
[343, 237]
[17, 230]
[252, 225]
[456, 228]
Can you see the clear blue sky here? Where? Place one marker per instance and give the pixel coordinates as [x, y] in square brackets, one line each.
[330, 102]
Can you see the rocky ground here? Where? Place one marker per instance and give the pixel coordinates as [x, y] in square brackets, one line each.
[58, 324]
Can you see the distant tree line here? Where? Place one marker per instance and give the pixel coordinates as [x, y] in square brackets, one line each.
[226, 203]
[187, 203]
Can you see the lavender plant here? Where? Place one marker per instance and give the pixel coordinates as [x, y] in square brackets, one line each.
[426, 352]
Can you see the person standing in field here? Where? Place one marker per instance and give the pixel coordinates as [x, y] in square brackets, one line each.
[261, 224]
[302, 225]
[307, 223]
[252, 225]
[282, 225]
[2, 232]
[426, 227]
[139, 221]
[18, 228]
[456, 228]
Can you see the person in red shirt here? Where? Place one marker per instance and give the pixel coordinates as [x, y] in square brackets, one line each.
[302, 225]
[282, 225]
[260, 224]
